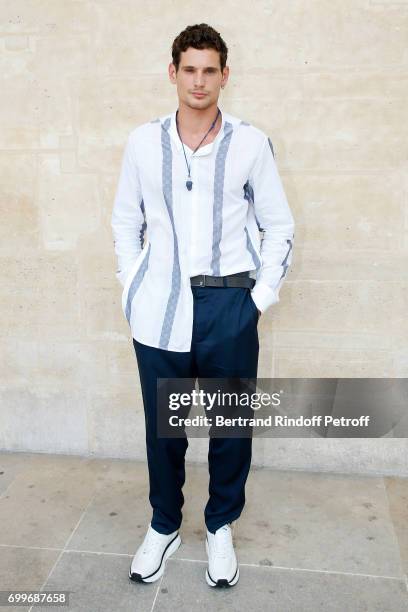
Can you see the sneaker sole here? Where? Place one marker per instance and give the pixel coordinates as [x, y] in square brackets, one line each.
[171, 548]
[221, 582]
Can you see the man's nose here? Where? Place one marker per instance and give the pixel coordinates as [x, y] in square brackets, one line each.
[199, 80]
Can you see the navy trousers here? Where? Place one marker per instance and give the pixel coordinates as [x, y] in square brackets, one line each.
[224, 344]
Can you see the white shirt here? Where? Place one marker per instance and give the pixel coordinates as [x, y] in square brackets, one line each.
[235, 218]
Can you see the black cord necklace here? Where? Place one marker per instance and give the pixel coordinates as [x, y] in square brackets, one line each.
[189, 182]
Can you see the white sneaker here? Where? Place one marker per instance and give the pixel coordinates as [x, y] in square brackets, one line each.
[150, 559]
[222, 570]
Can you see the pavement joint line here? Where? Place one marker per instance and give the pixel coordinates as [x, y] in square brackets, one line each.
[157, 592]
[65, 545]
[403, 577]
[391, 522]
[299, 569]
[3, 493]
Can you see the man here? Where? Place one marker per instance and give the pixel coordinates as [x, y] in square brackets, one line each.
[196, 188]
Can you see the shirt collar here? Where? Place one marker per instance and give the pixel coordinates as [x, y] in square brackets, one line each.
[205, 149]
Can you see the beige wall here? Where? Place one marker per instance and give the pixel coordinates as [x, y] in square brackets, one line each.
[326, 80]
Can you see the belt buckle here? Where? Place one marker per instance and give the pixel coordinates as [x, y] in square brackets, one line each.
[202, 282]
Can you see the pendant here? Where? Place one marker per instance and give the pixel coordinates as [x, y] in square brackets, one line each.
[189, 185]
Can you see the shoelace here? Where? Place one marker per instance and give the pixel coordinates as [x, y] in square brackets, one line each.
[223, 543]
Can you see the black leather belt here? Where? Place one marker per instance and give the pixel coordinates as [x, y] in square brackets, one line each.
[240, 279]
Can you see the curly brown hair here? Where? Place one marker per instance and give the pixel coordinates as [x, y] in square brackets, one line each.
[199, 36]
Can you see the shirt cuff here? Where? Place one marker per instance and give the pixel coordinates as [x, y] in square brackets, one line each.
[263, 296]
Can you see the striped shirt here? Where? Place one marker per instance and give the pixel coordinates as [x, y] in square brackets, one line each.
[235, 218]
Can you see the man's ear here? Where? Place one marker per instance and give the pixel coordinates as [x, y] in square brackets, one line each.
[172, 72]
[225, 75]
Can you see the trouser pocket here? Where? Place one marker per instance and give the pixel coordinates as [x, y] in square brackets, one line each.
[253, 306]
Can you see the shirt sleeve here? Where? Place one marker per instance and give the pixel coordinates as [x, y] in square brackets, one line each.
[128, 216]
[275, 219]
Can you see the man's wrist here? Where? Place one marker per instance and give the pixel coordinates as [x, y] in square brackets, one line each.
[263, 296]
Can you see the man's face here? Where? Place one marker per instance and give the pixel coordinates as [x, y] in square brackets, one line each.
[199, 71]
